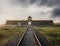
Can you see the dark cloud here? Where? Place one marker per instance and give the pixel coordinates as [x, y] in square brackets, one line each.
[24, 2]
[50, 2]
[56, 13]
[43, 2]
[33, 1]
[20, 2]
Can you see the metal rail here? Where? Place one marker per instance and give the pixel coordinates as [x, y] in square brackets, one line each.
[22, 37]
[36, 38]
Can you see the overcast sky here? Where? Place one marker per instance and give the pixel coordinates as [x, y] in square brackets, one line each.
[21, 9]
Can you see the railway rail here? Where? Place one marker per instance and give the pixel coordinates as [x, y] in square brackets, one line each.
[29, 38]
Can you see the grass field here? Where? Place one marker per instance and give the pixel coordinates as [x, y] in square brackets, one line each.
[52, 34]
[7, 32]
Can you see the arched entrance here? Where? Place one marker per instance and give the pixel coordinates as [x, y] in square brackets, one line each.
[29, 23]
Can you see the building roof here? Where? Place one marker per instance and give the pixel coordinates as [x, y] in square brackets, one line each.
[27, 20]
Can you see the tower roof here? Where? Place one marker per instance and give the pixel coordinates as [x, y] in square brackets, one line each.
[29, 17]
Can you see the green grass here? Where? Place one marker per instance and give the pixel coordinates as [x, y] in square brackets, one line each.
[52, 34]
[7, 32]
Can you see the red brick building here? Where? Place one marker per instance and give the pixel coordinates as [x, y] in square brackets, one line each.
[29, 21]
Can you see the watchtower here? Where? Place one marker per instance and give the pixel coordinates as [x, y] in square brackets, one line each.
[29, 20]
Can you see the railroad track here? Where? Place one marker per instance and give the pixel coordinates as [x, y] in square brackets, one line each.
[29, 38]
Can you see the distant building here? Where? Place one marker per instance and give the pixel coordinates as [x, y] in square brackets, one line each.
[29, 21]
